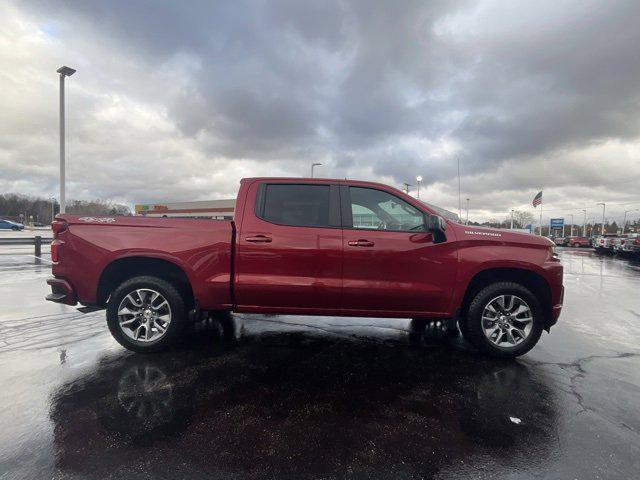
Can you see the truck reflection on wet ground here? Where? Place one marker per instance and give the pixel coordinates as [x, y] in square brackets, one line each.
[262, 396]
[300, 405]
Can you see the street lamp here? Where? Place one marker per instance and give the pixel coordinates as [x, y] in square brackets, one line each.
[418, 179]
[53, 206]
[571, 215]
[603, 207]
[313, 165]
[624, 222]
[64, 72]
[584, 223]
[512, 218]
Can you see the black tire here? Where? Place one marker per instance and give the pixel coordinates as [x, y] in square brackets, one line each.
[472, 329]
[15, 229]
[174, 299]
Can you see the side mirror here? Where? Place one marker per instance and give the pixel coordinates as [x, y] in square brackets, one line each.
[436, 225]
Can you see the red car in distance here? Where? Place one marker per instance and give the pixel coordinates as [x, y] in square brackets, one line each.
[579, 242]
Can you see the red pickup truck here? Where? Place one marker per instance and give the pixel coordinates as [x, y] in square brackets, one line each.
[312, 247]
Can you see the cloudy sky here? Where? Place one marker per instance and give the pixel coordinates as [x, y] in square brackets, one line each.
[179, 100]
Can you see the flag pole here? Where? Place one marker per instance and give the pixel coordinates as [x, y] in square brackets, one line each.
[540, 213]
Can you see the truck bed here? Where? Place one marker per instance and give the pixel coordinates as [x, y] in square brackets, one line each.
[201, 248]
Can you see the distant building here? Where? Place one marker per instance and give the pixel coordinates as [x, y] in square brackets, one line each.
[217, 209]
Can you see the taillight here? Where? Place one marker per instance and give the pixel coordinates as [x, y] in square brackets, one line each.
[56, 247]
[637, 241]
[58, 226]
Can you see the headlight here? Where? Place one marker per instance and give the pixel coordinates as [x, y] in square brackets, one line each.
[555, 255]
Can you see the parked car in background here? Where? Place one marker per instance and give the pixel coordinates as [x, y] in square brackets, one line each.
[9, 225]
[630, 245]
[561, 241]
[618, 243]
[598, 243]
[579, 242]
[604, 243]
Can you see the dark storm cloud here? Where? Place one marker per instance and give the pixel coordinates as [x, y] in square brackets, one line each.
[272, 71]
[383, 89]
[573, 82]
[278, 73]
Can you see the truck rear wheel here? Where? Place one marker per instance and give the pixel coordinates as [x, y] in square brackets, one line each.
[504, 320]
[146, 314]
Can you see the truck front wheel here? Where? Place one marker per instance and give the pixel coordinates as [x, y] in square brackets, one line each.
[504, 320]
[146, 314]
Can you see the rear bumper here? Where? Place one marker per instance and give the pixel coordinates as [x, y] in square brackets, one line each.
[61, 291]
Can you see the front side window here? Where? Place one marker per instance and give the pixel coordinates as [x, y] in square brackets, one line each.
[297, 205]
[375, 209]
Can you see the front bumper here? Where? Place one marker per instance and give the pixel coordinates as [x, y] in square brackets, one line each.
[61, 291]
[556, 309]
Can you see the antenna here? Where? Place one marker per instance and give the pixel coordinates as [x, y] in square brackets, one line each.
[459, 197]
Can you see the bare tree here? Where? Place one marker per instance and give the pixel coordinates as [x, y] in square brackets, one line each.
[26, 208]
[520, 219]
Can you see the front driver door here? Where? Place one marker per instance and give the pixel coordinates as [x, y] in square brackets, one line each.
[391, 263]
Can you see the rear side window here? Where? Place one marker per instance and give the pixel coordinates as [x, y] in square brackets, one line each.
[296, 205]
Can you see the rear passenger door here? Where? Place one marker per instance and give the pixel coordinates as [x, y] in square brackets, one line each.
[289, 254]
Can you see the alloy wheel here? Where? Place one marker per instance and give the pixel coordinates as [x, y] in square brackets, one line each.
[144, 315]
[507, 321]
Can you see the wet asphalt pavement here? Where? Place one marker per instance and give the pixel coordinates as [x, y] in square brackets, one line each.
[302, 397]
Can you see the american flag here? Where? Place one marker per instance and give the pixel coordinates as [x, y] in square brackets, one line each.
[537, 200]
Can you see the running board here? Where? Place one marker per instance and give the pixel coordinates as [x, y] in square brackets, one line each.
[90, 308]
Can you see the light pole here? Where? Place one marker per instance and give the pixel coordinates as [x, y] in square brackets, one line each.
[64, 72]
[584, 223]
[418, 179]
[467, 222]
[313, 165]
[512, 219]
[406, 187]
[624, 222]
[53, 211]
[571, 234]
[603, 207]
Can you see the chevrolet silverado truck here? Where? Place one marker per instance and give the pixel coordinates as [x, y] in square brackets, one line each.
[309, 247]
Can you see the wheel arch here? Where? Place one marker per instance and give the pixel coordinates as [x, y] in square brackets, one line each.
[123, 268]
[527, 278]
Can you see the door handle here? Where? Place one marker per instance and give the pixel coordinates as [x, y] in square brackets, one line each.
[258, 239]
[361, 243]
